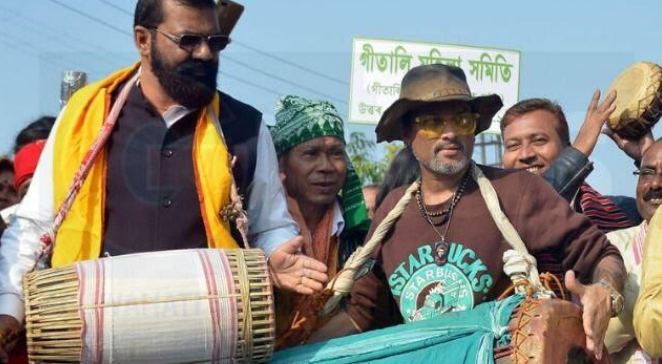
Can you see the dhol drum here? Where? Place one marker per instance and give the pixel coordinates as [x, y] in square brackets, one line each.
[546, 332]
[187, 306]
[638, 100]
[516, 330]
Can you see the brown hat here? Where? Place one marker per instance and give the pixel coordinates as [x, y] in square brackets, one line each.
[435, 83]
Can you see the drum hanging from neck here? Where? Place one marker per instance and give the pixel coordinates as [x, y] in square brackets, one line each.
[515, 330]
[184, 306]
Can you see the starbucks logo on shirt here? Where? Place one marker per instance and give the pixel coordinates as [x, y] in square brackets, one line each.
[428, 290]
[434, 290]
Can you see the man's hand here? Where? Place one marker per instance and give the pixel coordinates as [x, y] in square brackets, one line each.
[596, 116]
[8, 327]
[294, 271]
[596, 311]
[635, 149]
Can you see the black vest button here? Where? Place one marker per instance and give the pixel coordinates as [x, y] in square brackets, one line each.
[167, 202]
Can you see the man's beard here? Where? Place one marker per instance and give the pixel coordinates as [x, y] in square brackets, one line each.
[446, 169]
[192, 83]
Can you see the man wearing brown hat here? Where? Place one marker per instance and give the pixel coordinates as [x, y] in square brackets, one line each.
[444, 253]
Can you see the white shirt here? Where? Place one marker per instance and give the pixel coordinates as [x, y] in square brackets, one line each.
[620, 339]
[338, 224]
[269, 225]
[8, 214]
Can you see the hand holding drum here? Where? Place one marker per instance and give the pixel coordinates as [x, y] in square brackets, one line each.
[639, 103]
[9, 326]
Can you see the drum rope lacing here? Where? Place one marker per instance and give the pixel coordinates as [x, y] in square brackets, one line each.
[245, 290]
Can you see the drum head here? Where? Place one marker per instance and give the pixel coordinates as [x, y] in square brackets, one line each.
[638, 99]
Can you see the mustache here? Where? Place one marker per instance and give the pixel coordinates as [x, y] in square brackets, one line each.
[198, 69]
[652, 194]
[447, 145]
[326, 181]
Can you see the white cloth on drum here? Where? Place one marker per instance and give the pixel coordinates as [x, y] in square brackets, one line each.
[180, 309]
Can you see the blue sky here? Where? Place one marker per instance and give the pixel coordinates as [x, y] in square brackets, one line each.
[569, 48]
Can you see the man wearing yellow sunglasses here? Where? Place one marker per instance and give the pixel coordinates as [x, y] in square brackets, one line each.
[444, 252]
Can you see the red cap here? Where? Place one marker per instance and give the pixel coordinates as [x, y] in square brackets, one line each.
[26, 160]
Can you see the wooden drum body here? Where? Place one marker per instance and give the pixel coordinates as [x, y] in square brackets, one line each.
[183, 306]
[638, 100]
[546, 332]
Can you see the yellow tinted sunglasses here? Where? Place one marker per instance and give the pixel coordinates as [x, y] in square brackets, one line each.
[433, 126]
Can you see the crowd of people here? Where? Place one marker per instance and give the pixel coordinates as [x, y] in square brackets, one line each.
[16, 173]
[159, 159]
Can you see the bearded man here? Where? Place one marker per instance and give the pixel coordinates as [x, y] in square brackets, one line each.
[445, 251]
[163, 178]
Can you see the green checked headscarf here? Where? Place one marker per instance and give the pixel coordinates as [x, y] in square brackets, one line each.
[299, 120]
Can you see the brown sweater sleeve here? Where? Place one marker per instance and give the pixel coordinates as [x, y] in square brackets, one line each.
[371, 304]
[546, 222]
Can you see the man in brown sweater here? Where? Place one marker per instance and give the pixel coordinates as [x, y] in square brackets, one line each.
[445, 251]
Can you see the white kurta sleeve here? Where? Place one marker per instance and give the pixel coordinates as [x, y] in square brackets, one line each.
[19, 248]
[269, 222]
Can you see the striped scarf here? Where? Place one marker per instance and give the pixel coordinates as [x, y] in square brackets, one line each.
[602, 212]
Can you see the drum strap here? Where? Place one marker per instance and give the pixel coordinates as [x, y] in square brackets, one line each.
[48, 239]
[518, 263]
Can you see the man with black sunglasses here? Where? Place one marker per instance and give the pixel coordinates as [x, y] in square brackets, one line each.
[191, 42]
[177, 150]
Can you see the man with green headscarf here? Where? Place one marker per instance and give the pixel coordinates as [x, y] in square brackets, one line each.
[324, 197]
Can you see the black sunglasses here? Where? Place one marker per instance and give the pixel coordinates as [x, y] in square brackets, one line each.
[190, 42]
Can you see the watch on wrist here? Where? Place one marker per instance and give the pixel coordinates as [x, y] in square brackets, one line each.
[617, 300]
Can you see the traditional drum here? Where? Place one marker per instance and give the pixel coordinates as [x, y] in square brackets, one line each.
[546, 331]
[515, 330]
[187, 306]
[638, 101]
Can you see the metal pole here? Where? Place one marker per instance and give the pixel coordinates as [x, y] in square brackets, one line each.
[483, 156]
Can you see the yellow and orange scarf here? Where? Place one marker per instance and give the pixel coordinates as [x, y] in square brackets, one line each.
[80, 236]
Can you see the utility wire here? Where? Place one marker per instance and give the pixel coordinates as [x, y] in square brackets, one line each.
[55, 35]
[20, 49]
[46, 27]
[90, 17]
[290, 63]
[45, 55]
[266, 89]
[256, 50]
[121, 31]
[283, 80]
[116, 7]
